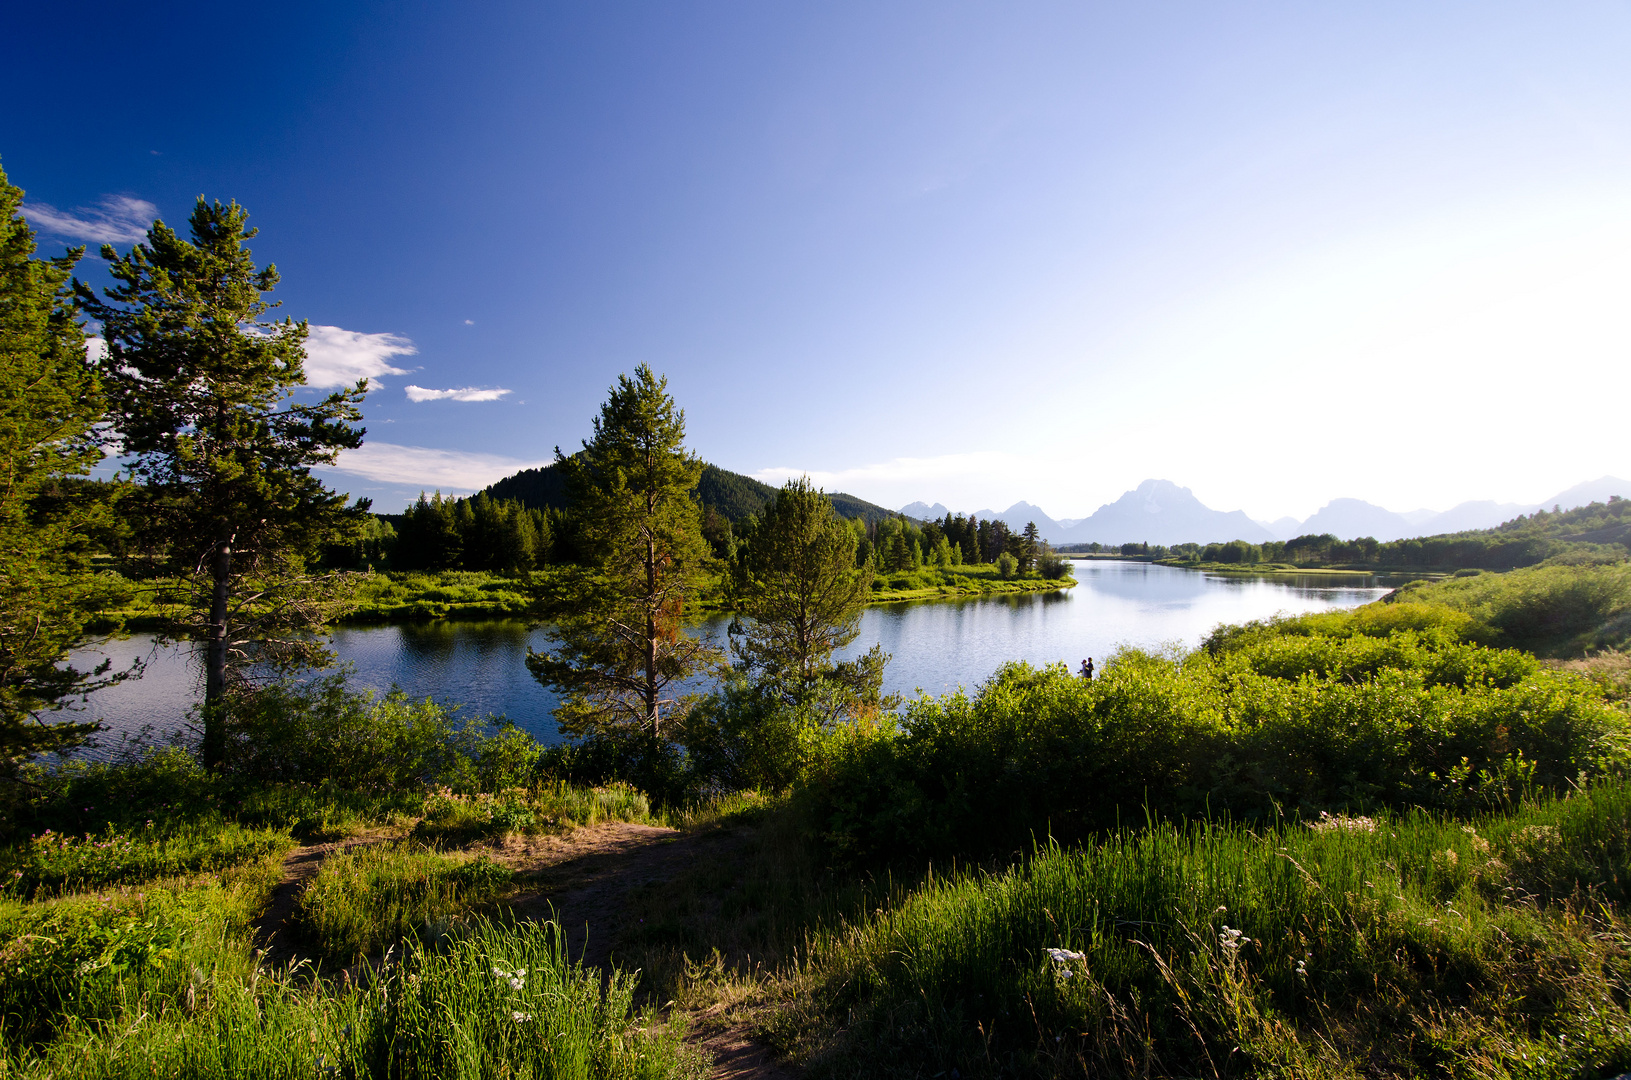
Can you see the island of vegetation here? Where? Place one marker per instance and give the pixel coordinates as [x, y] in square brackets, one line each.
[1393, 841]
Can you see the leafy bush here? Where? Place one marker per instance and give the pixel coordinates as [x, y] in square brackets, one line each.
[1273, 724]
[1563, 605]
[325, 732]
[1007, 566]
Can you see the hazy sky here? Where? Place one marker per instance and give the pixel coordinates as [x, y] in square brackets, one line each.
[968, 253]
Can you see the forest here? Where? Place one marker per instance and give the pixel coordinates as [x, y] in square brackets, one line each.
[1387, 841]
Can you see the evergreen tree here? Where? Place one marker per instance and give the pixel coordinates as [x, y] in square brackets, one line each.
[200, 393]
[799, 597]
[619, 644]
[50, 400]
[1030, 544]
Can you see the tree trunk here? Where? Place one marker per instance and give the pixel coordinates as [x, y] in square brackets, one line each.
[215, 659]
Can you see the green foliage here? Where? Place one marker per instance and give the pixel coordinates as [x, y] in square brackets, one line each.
[126, 856]
[322, 731]
[202, 397]
[365, 897]
[801, 595]
[1295, 951]
[81, 959]
[619, 645]
[441, 1012]
[50, 400]
[1562, 606]
[1276, 722]
[1007, 566]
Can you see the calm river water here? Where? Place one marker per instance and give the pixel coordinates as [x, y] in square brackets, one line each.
[936, 646]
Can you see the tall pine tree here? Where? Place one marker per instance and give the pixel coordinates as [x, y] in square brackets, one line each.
[201, 392]
[620, 648]
[50, 402]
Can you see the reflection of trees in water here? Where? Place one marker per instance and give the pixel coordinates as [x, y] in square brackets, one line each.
[442, 640]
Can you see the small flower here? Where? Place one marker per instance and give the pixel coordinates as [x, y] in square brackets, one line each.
[1232, 939]
[520, 1017]
[1064, 956]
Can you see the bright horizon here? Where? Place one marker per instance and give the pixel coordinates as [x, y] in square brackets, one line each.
[967, 255]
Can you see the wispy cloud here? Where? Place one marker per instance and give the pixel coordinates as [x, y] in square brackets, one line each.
[338, 357]
[455, 471]
[468, 393]
[116, 219]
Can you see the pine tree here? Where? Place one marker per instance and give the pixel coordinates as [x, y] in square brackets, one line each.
[799, 596]
[50, 401]
[200, 392]
[620, 647]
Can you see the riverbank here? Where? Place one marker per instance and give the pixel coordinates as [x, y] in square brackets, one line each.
[1255, 569]
[391, 597]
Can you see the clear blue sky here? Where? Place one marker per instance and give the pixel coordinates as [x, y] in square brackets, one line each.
[972, 253]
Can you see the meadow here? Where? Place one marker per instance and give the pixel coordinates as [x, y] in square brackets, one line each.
[1390, 841]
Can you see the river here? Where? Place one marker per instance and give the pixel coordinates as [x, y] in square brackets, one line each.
[935, 646]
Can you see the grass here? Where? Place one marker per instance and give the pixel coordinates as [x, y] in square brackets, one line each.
[114, 856]
[551, 806]
[484, 1001]
[1402, 945]
[365, 898]
[930, 582]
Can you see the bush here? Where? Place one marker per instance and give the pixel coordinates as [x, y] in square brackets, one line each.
[1007, 566]
[1290, 723]
[324, 732]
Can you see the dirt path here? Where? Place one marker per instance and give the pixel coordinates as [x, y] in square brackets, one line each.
[586, 879]
[299, 867]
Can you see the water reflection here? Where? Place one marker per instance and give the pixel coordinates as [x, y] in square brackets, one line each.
[935, 646]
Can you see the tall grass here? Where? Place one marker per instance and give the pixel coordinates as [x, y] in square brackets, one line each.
[487, 1001]
[1404, 945]
[53, 859]
[88, 958]
[364, 898]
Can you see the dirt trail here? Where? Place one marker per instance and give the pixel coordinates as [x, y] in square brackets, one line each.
[586, 879]
[271, 930]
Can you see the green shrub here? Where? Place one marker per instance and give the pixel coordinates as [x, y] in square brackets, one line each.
[1293, 723]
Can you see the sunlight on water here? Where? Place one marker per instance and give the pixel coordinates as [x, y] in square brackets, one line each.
[936, 645]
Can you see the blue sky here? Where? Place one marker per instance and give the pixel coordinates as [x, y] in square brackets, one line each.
[967, 253]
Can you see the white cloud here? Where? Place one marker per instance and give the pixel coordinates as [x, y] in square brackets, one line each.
[451, 471]
[117, 219]
[96, 349]
[338, 357]
[468, 393]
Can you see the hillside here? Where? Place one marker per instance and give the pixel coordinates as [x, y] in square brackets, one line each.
[731, 494]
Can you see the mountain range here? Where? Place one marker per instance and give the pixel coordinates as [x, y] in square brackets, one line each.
[1161, 512]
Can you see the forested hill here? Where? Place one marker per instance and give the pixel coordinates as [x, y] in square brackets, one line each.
[731, 494]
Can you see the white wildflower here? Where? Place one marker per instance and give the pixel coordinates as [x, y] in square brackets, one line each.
[520, 1017]
[1064, 956]
[1232, 939]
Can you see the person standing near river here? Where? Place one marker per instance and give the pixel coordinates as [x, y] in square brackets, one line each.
[1087, 669]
